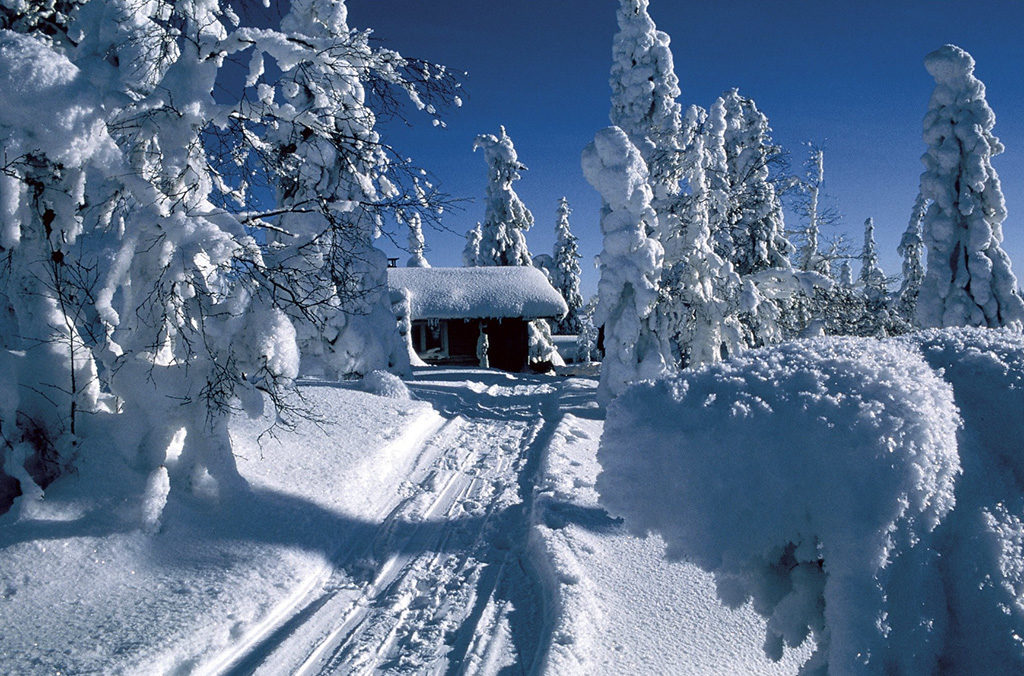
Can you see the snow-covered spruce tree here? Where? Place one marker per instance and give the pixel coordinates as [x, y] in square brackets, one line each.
[968, 281]
[566, 270]
[503, 232]
[586, 339]
[754, 238]
[707, 296]
[871, 276]
[879, 319]
[630, 264]
[472, 249]
[506, 218]
[644, 104]
[911, 249]
[846, 274]
[645, 92]
[416, 242]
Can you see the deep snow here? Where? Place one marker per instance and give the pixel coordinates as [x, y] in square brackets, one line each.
[460, 531]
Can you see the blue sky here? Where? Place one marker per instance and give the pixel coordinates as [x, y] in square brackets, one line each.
[848, 76]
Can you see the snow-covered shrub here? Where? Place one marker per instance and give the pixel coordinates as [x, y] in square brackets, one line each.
[542, 351]
[809, 477]
[385, 384]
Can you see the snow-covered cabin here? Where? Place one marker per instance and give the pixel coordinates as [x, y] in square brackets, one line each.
[449, 306]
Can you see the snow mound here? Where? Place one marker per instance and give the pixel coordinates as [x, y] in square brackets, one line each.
[385, 384]
[478, 293]
[810, 477]
[982, 540]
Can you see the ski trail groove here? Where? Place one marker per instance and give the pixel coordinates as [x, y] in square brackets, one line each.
[445, 582]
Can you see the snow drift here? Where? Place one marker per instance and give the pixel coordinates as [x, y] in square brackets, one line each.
[982, 540]
[819, 479]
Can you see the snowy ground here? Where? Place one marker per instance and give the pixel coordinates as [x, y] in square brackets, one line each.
[459, 537]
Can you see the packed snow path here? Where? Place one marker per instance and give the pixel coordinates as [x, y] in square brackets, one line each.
[444, 583]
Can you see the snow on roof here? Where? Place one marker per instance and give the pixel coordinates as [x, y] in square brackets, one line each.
[478, 293]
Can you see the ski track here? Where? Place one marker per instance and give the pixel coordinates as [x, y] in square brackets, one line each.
[445, 583]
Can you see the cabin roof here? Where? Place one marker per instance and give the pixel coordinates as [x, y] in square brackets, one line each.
[478, 293]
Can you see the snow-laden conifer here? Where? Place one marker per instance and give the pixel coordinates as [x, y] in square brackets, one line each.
[503, 231]
[471, 252]
[706, 294]
[645, 90]
[968, 281]
[630, 265]
[566, 269]
[506, 218]
[846, 274]
[416, 242]
[755, 237]
[911, 249]
[871, 276]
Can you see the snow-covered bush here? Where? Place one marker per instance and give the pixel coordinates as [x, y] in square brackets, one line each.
[541, 351]
[867, 493]
[385, 384]
[809, 477]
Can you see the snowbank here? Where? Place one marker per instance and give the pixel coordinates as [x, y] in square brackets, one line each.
[84, 589]
[617, 605]
[982, 540]
[810, 478]
[478, 293]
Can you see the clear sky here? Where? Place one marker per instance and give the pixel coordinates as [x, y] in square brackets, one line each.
[847, 75]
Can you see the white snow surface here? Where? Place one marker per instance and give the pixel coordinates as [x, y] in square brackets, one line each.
[491, 292]
[382, 539]
[84, 589]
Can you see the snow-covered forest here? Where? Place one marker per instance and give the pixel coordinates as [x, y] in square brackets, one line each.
[236, 438]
